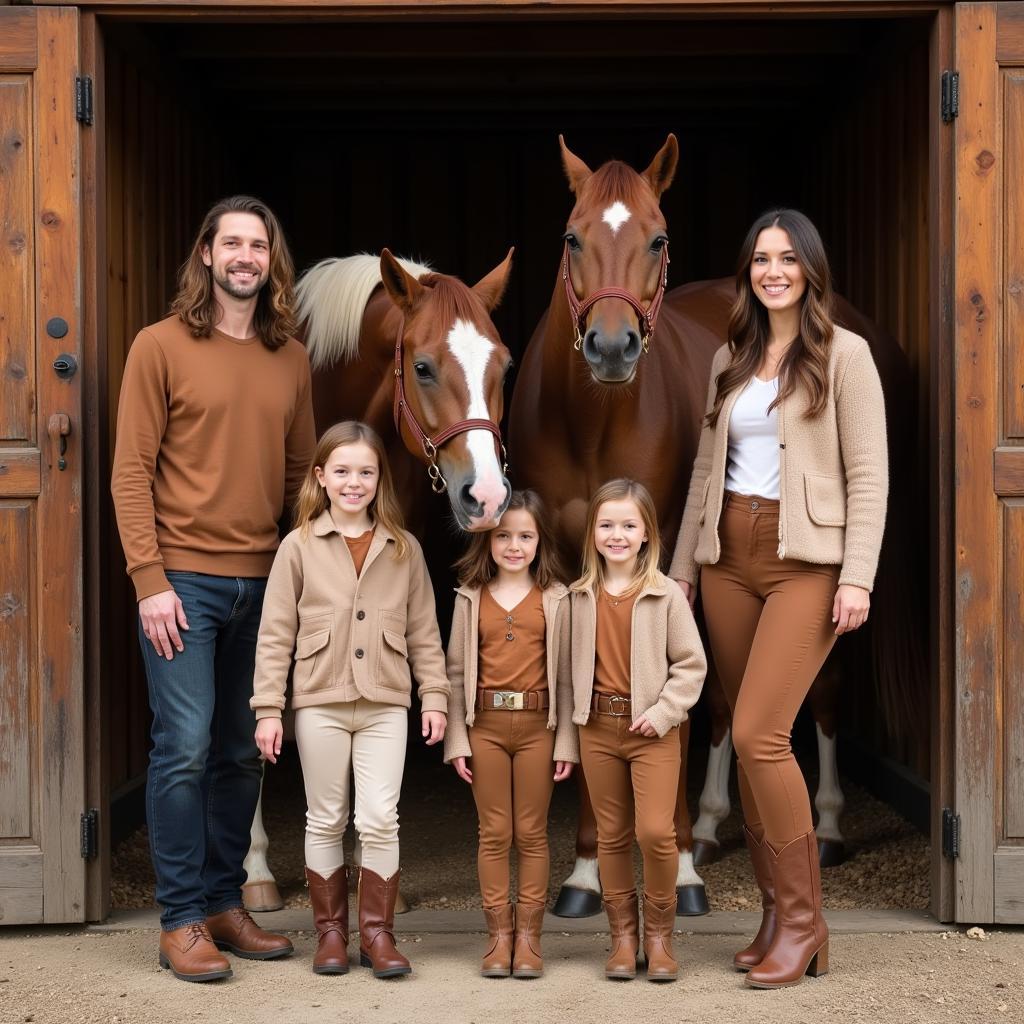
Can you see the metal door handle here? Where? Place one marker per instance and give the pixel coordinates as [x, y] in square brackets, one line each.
[59, 427]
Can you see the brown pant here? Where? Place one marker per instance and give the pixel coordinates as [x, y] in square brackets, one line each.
[770, 625]
[632, 782]
[513, 776]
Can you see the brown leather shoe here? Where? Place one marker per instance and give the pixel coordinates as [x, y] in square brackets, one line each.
[759, 857]
[189, 953]
[624, 924]
[377, 924]
[497, 961]
[234, 930]
[329, 897]
[527, 961]
[658, 921]
[800, 945]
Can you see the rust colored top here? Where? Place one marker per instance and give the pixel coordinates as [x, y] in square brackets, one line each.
[614, 644]
[358, 547]
[512, 649]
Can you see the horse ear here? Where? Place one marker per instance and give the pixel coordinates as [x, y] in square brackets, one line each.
[663, 167]
[403, 288]
[575, 169]
[492, 287]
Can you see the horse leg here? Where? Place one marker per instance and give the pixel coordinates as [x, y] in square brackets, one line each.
[691, 897]
[714, 797]
[580, 895]
[260, 891]
[828, 801]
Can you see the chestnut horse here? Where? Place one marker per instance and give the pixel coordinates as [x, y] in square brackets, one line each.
[627, 399]
[421, 361]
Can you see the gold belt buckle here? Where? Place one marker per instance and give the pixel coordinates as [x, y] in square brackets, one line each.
[510, 700]
[621, 700]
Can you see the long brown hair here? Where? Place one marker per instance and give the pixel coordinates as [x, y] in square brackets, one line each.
[313, 500]
[476, 567]
[805, 362]
[646, 572]
[195, 304]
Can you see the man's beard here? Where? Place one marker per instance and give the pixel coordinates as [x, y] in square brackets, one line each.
[237, 290]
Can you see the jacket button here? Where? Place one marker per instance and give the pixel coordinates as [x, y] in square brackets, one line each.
[359, 652]
[360, 615]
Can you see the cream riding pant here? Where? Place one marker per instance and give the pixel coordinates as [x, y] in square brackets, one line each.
[369, 740]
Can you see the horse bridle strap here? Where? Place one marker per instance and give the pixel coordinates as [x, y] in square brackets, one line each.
[648, 317]
[404, 414]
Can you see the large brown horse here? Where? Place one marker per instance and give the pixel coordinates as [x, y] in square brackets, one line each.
[613, 383]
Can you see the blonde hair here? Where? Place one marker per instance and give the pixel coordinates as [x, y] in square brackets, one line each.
[313, 501]
[646, 571]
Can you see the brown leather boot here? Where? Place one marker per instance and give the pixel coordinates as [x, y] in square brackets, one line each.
[658, 921]
[189, 953]
[329, 897]
[527, 961]
[759, 857]
[377, 924]
[800, 945]
[233, 929]
[624, 924]
[497, 961]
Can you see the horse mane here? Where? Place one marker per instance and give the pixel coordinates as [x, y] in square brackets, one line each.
[614, 180]
[330, 300]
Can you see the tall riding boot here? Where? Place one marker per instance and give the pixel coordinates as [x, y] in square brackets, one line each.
[497, 961]
[377, 924]
[624, 924]
[658, 921]
[760, 858]
[329, 897]
[527, 961]
[800, 945]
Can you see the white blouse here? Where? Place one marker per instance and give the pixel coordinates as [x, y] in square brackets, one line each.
[753, 465]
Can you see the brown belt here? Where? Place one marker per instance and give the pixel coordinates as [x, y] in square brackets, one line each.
[511, 700]
[604, 704]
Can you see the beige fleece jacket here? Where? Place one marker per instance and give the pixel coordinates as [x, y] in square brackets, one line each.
[463, 662]
[833, 480]
[667, 661]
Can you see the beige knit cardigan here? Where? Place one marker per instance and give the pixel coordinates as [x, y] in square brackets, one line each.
[833, 472]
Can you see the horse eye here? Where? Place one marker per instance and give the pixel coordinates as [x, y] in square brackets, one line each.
[574, 242]
[423, 371]
[659, 243]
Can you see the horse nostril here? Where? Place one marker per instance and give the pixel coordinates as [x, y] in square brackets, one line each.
[632, 351]
[590, 350]
[470, 505]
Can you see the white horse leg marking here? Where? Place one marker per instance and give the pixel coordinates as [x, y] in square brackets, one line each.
[714, 797]
[584, 875]
[616, 215]
[829, 799]
[255, 864]
[687, 873]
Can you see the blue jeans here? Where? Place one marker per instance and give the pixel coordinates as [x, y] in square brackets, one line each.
[204, 768]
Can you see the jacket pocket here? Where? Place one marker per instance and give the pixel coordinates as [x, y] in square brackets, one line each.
[312, 658]
[826, 499]
[704, 501]
[394, 663]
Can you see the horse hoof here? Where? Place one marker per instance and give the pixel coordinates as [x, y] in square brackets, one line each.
[574, 902]
[692, 901]
[261, 897]
[705, 852]
[831, 852]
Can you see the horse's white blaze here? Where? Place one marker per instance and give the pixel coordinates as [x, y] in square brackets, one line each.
[255, 864]
[584, 875]
[714, 797]
[616, 215]
[473, 352]
[686, 873]
[829, 799]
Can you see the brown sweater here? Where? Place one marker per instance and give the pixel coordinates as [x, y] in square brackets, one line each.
[214, 436]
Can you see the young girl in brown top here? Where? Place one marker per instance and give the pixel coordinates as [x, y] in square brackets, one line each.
[784, 521]
[510, 733]
[638, 667]
[349, 608]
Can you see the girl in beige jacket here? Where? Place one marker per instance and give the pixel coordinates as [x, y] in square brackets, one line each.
[511, 717]
[348, 611]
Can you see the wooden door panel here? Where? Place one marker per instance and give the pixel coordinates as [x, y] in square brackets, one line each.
[1013, 257]
[1013, 667]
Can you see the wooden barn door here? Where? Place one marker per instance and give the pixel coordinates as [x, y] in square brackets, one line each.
[989, 360]
[42, 875]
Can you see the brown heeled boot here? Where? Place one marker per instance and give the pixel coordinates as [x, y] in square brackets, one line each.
[800, 945]
[497, 961]
[760, 858]
[658, 921]
[329, 897]
[624, 924]
[377, 923]
[527, 961]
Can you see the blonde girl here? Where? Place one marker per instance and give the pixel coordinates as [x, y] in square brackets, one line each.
[511, 735]
[349, 609]
[637, 667]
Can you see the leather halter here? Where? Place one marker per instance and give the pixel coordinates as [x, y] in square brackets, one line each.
[403, 413]
[648, 317]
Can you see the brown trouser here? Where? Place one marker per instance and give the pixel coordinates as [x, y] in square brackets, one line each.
[513, 776]
[770, 625]
[632, 782]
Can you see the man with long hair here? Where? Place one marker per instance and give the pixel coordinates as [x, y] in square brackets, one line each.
[214, 434]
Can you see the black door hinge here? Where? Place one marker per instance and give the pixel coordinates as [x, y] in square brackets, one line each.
[90, 832]
[950, 834]
[83, 99]
[950, 95]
